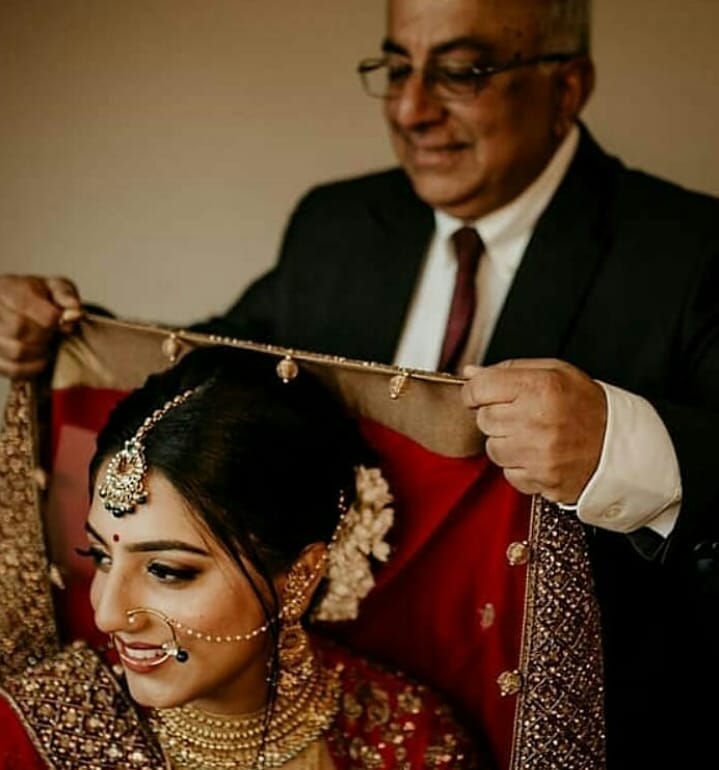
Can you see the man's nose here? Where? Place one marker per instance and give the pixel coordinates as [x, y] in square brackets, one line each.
[416, 105]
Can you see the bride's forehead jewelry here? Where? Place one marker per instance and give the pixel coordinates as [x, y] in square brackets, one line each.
[123, 486]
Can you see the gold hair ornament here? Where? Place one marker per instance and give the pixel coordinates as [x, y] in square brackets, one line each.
[123, 487]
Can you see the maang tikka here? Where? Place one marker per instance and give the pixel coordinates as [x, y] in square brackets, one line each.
[123, 487]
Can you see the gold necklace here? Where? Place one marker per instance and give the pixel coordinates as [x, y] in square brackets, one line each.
[196, 740]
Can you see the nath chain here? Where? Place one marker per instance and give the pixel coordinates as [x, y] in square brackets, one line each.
[289, 606]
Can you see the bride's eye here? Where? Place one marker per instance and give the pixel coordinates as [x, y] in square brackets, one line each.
[101, 559]
[168, 574]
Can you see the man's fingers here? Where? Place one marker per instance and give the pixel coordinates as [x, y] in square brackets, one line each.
[70, 314]
[502, 383]
[65, 295]
[496, 419]
[511, 452]
[63, 292]
[26, 301]
[21, 371]
[531, 363]
[492, 385]
[521, 481]
[499, 449]
[14, 351]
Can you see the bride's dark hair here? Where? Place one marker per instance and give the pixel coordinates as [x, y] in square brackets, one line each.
[262, 463]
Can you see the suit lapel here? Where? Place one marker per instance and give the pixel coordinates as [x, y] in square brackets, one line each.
[403, 226]
[561, 259]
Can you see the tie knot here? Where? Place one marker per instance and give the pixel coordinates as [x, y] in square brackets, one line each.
[468, 248]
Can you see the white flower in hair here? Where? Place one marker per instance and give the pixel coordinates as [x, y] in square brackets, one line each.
[359, 535]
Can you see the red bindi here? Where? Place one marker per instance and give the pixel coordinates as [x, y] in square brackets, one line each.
[116, 538]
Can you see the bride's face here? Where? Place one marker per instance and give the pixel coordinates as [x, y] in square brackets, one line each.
[159, 558]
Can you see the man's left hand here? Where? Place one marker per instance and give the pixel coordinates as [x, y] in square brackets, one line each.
[544, 421]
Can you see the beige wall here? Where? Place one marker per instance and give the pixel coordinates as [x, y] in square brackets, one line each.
[152, 149]
[657, 97]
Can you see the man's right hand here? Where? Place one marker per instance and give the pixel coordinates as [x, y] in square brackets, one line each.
[32, 311]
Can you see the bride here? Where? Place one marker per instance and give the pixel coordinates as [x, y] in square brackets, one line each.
[228, 508]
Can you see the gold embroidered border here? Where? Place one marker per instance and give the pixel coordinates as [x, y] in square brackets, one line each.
[76, 714]
[27, 626]
[560, 713]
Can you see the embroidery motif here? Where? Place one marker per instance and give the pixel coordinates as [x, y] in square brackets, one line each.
[560, 586]
[27, 625]
[382, 727]
[80, 717]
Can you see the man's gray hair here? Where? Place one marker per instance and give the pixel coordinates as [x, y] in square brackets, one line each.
[568, 26]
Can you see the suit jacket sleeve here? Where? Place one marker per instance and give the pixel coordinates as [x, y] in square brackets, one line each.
[693, 421]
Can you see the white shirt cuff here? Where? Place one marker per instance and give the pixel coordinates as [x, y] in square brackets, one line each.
[637, 482]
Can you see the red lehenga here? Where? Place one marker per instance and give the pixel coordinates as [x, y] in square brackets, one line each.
[488, 594]
[69, 712]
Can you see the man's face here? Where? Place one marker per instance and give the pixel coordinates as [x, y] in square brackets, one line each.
[471, 156]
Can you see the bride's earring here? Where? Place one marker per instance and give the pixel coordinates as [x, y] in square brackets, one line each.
[297, 664]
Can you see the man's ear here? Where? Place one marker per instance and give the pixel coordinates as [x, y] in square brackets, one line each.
[574, 85]
[299, 583]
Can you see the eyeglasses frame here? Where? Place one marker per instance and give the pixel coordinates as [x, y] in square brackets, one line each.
[480, 73]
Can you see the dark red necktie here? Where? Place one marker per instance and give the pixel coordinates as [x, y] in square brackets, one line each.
[468, 248]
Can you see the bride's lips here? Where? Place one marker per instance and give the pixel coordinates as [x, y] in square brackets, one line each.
[140, 657]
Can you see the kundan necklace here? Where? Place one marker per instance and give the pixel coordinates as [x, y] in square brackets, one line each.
[196, 740]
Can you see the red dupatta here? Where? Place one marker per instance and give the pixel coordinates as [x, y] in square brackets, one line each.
[487, 595]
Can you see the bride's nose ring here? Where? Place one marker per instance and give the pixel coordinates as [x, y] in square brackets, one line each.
[172, 647]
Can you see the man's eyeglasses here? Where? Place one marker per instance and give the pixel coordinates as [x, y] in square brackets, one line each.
[386, 77]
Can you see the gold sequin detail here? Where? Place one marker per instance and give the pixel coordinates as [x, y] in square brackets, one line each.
[487, 616]
[27, 627]
[384, 724]
[518, 553]
[510, 683]
[561, 704]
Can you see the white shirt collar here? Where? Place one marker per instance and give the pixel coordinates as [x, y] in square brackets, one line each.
[518, 218]
[506, 234]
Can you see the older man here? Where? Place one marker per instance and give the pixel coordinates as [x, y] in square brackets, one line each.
[586, 290]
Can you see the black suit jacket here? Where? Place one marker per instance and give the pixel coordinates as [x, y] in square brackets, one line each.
[620, 278]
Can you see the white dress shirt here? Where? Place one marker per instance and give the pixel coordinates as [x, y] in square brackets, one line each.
[637, 481]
